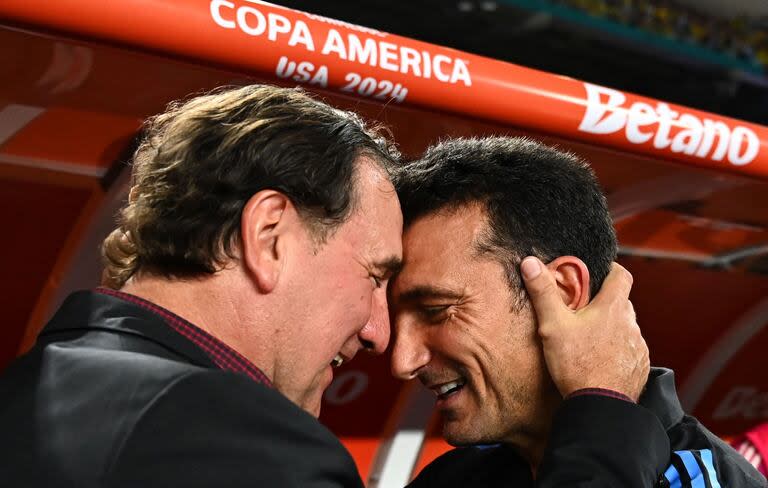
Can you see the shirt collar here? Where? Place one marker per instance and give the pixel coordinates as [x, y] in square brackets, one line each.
[223, 356]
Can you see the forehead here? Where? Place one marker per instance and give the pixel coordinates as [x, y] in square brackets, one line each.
[441, 247]
[376, 226]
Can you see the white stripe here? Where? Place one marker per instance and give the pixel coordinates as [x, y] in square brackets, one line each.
[746, 252]
[69, 68]
[721, 352]
[666, 190]
[14, 117]
[661, 254]
[749, 452]
[403, 453]
[396, 458]
[742, 448]
[51, 164]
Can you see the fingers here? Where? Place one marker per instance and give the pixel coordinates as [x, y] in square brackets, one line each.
[542, 289]
[629, 316]
[616, 286]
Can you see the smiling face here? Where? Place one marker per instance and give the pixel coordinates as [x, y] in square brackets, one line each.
[339, 302]
[458, 331]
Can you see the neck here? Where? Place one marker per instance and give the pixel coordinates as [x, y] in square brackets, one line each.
[534, 457]
[532, 451]
[213, 304]
[533, 445]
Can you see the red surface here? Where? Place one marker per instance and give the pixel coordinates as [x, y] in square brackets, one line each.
[37, 218]
[360, 405]
[65, 136]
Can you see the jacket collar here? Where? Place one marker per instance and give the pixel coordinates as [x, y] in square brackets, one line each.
[88, 310]
[660, 397]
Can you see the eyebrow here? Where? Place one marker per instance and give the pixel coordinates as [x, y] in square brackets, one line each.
[422, 292]
[391, 265]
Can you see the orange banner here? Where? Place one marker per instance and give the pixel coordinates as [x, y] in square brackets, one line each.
[265, 39]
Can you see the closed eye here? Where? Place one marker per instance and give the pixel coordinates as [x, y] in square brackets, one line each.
[377, 281]
[433, 313]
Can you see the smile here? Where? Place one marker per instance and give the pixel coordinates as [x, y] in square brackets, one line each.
[338, 360]
[445, 390]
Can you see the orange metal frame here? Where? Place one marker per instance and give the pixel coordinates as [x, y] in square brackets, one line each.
[262, 38]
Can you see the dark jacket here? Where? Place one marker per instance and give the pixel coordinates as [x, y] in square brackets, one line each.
[111, 396]
[697, 458]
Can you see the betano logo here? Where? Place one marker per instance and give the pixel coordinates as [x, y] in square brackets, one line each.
[745, 402]
[680, 133]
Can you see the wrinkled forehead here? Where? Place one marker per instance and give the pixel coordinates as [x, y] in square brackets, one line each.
[377, 222]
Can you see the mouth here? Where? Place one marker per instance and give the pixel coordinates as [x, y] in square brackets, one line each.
[445, 390]
[339, 360]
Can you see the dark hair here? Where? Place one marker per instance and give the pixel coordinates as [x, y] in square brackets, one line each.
[202, 160]
[539, 201]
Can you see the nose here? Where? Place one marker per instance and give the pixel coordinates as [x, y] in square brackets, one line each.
[375, 335]
[409, 352]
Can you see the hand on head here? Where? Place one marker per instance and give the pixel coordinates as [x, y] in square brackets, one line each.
[596, 346]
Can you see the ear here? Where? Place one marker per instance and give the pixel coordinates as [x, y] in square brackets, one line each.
[572, 278]
[262, 229]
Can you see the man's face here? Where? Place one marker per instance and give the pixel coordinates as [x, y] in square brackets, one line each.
[458, 331]
[340, 299]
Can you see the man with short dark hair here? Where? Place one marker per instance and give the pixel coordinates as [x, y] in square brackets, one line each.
[465, 327]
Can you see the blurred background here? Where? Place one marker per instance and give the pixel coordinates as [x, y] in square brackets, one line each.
[707, 54]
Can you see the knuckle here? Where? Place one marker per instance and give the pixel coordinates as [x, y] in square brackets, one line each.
[545, 330]
[626, 275]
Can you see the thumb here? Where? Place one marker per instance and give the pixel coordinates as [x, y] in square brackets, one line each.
[542, 289]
